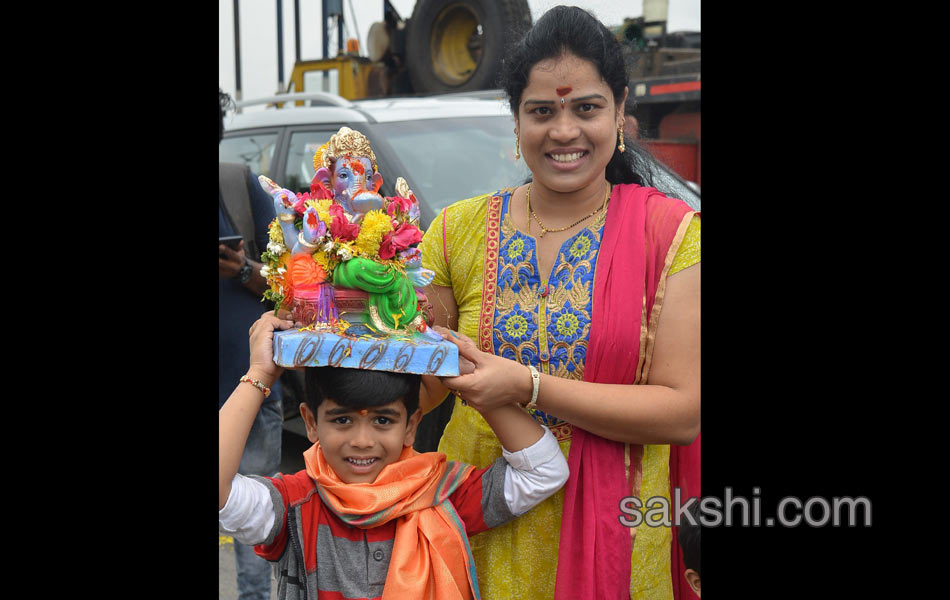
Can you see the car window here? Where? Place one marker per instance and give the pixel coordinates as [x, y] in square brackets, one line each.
[303, 145]
[256, 150]
[452, 159]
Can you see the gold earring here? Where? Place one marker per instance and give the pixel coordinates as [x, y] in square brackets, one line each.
[620, 147]
[517, 145]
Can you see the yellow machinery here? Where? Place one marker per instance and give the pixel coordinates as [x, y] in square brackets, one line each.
[446, 46]
[352, 73]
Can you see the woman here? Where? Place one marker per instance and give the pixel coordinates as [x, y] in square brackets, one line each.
[559, 284]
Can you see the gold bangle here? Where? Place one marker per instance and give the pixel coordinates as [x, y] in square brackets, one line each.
[256, 383]
[535, 385]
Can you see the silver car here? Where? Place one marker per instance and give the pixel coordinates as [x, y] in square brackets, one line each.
[448, 147]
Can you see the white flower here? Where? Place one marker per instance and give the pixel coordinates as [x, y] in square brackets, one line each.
[281, 270]
[328, 247]
[265, 271]
[276, 248]
[344, 253]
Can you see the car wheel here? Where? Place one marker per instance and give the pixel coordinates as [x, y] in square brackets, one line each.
[457, 45]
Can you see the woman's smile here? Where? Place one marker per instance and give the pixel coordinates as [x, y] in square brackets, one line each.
[567, 159]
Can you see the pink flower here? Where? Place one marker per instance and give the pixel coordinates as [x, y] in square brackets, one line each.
[340, 227]
[299, 207]
[400, 239]
[318, 191]
[397, 204]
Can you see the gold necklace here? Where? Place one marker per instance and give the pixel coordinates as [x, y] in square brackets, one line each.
[544, 229]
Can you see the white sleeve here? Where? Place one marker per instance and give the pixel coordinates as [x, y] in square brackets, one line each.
[249, 514]
[534, 473]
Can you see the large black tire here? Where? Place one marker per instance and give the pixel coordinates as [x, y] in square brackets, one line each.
[445, 52]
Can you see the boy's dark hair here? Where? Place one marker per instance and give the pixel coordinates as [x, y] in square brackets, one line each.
[572, 29]
[358, 388]
[689, 538]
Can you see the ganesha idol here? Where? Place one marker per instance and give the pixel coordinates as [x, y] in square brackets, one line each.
[343, 254]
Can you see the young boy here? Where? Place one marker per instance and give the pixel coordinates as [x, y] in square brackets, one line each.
[369, 517]
[689, 540]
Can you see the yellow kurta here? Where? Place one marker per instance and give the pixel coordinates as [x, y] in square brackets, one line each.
[519, 560]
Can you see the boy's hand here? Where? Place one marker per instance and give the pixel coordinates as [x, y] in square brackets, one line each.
[262, 365]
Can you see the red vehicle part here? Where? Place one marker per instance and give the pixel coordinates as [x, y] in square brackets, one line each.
[680, 145]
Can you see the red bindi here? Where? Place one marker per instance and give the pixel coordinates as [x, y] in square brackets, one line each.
[563, 91]
[357, 167]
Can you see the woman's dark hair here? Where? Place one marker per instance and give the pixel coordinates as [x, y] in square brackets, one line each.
[569, 29]
[358, 388]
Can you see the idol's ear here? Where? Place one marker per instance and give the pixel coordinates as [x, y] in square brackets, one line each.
[375, 182]
[323, 176]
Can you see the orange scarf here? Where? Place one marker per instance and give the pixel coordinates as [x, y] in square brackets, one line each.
[431, 557]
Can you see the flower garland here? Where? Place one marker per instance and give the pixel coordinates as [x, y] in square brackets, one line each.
[388, 237]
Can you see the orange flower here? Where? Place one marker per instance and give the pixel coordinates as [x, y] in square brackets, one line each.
[304, 273]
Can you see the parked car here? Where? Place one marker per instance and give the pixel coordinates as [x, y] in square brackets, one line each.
[447, 147]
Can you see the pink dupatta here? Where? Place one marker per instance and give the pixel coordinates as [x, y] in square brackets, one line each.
[595, 548]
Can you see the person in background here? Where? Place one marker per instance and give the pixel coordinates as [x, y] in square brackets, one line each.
[245, 209]
[631, 127]
[581, 293]
[689, 538]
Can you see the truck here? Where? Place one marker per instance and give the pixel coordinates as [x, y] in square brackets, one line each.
[665, 91]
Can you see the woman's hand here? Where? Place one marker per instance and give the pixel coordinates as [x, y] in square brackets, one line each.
[262, 365]
[486, 381]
